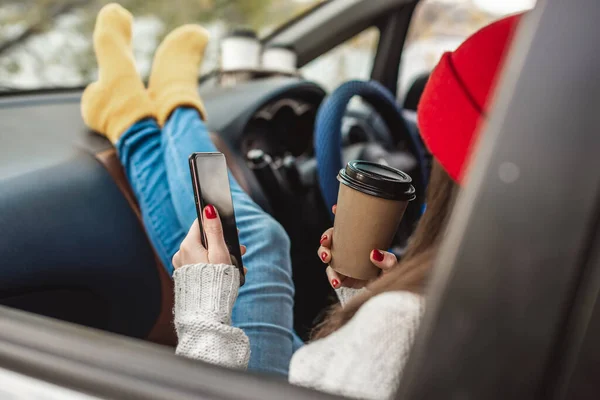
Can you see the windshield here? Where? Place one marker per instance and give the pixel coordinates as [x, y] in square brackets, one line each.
[47, 43]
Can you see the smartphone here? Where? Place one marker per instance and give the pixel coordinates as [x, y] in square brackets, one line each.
[210, 181]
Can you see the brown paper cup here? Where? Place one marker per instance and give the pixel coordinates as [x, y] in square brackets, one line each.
[363, 222]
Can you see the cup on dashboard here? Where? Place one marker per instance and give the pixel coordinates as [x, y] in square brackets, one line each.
[370, 205]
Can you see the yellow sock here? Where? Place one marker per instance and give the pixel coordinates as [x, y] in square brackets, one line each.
[174, 77]
[118, 99]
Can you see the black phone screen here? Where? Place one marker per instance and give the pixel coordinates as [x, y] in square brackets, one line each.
[211, 186]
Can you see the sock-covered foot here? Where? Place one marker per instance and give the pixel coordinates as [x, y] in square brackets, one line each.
[118, 99]
[174, 77]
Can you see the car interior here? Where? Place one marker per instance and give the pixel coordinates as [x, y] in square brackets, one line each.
[513, 300]
[59, 179]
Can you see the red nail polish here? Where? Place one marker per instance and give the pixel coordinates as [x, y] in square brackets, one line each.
[210, 212]
[377, 255]
[323, 238]
[323, 256]
[335, 283]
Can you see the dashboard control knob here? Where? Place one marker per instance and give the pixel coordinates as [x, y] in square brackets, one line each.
[258, 158]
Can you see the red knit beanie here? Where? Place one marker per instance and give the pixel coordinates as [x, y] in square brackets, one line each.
[457, 93]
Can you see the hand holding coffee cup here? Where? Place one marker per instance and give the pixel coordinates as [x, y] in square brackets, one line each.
[371, 202]
[383, 260]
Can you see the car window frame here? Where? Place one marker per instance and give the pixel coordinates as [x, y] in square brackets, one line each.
[106, 365]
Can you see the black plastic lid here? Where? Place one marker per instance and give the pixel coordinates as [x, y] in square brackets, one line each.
[377, 180]
[242, 32]
[285, 46]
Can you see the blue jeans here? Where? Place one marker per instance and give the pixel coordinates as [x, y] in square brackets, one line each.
[156, 164]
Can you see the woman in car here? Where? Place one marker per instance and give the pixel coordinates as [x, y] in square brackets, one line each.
[155, 130]
[364, 343]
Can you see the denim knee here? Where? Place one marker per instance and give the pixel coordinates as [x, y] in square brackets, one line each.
[275, 233]
[271, 242]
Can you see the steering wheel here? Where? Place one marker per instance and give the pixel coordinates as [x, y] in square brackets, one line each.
[328, 142]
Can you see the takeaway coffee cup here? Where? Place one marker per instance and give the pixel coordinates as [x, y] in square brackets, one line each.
[371, 202]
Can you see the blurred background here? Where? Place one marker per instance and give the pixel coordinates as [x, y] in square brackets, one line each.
[47, 43]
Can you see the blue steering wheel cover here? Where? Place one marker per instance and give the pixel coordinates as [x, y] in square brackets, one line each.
[328, 127]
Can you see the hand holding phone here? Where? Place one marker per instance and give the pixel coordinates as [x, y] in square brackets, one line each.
[210, 181]
[192, 251]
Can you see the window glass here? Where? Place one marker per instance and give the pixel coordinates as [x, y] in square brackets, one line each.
[352, 59]
[441, 25]
[48, 43]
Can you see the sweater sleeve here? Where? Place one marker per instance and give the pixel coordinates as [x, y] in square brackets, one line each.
[363, 358]
[204, 298]
[344, 294]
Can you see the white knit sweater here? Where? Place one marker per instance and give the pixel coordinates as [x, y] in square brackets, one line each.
[361, 360]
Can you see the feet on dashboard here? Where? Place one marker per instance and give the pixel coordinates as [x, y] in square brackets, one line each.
[174, 77]
[118, 98]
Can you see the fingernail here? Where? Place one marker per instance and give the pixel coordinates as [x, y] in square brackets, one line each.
[335, 283]
[323, 256]
[377, 255]
[210, 212]
[323, 238]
